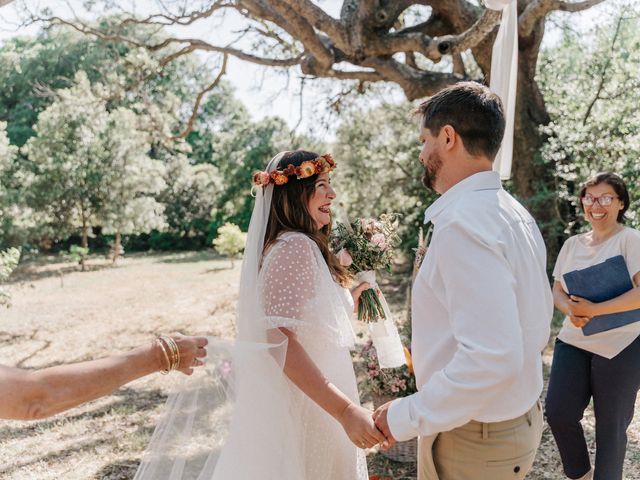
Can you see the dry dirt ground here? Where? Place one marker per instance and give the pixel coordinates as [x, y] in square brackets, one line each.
[62, 315]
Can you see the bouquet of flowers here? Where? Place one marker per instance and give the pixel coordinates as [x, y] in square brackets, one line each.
[395, 382]
[364, 246]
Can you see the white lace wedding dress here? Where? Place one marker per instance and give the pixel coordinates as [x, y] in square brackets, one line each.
[298, 293]
[241, 418]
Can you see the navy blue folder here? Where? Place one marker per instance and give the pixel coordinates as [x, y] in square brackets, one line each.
[599, 283]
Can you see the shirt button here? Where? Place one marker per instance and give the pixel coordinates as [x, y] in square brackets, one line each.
[516, 468]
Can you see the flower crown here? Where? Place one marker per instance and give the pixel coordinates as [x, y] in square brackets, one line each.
[322, 164]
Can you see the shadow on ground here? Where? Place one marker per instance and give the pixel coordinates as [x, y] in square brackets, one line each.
[190, 257]
[120, 470]
[125, 399]
[32, 271]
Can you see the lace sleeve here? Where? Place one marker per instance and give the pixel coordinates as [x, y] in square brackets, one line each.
[289, 283]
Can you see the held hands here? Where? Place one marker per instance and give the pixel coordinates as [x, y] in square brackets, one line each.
[358, 424]
[380, 418]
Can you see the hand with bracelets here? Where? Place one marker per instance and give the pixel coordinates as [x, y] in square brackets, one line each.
[177, 352]
[34, 394]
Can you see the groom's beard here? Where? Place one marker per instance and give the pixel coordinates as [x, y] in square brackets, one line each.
[431, 170]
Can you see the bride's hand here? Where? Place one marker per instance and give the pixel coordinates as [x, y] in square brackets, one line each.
[358, 424]
[356, 292]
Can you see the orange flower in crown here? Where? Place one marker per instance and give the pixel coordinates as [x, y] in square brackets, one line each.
[306, 169]
[279, 178]
[289, 170]
[322, 164]
[325, 163]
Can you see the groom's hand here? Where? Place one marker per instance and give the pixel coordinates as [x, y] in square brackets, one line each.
[380, 418]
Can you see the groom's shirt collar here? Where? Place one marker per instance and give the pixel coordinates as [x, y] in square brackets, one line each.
[479, 181]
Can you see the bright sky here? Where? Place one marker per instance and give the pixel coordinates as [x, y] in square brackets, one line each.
[264, 93]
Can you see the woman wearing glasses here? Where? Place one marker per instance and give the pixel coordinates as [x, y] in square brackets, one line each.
[605, 365]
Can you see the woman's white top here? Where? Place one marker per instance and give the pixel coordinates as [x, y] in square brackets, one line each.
[576, 255]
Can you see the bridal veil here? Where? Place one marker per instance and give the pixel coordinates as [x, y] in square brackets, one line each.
[231, 420]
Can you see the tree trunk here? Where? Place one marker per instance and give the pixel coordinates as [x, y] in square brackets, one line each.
[84, 243]
[534, 180]
[117, 243]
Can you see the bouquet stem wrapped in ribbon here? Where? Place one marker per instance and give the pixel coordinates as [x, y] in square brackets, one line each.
[370, 307]
[366, 245]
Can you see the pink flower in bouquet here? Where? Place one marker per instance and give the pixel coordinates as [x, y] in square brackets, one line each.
[367, 224]
[379, 240]
[344, 257]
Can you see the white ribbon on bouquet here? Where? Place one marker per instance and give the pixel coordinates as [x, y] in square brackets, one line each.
[384, 332]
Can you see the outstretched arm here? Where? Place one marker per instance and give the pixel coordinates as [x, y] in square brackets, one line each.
[31, 395]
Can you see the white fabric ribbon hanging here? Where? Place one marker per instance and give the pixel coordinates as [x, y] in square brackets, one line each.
[384, 332]
[504, 77]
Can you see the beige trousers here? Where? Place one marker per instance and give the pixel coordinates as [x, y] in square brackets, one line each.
[482, 451]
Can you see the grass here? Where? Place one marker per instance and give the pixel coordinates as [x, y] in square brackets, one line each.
[58, 319]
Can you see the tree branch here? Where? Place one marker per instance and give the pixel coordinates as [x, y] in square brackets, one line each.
[603, 71]
[368, 35]
[435, 26]
[196, 105]
[458, 65]
[193, 44]
[415, 83]
[170, 58]
[450, 44]
[435, 48]
[303, 31]
[538, 9]
[260, 9]
[319, 19]
[362, 75]
[405, 42]
[577, 6]
[164, 19]
[459, 14]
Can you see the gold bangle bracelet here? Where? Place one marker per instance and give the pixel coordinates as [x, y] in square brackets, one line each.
[177, 352]
[172, 354]
[173, 346]
[164, 371]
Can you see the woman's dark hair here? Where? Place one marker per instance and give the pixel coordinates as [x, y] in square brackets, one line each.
[615, 182]
[290, 213]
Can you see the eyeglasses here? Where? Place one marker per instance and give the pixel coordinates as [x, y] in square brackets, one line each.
[603, 200]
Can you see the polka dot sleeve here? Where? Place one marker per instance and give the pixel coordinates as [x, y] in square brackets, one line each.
[290, 272]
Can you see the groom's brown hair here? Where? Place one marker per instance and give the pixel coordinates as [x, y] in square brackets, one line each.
[474, 111]
[290, 213]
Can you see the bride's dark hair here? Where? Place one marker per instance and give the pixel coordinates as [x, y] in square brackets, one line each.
[290, 213]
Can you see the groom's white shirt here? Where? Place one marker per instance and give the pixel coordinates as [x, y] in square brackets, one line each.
[481, 311]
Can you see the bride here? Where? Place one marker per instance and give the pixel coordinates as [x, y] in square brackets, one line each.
[280, 403]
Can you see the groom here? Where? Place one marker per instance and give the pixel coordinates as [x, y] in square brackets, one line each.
[481, 305]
